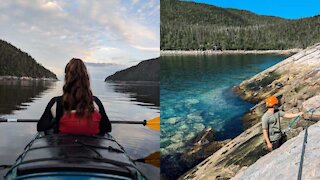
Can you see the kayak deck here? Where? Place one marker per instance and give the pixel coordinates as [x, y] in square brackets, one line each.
[74, 153]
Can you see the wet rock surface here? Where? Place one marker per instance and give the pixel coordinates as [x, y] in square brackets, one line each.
[224, 163]
[198, 149]
[296, 83]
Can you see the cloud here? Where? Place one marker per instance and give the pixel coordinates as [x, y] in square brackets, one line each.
[98, 31]
[135, 1]
[51, 6]
[100, 64]
[155, 49]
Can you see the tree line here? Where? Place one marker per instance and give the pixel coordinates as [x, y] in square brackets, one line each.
[195, 26]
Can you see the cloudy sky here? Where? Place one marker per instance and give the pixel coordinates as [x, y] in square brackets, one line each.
[113, 33]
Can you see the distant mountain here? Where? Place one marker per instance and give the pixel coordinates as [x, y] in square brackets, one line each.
[14, 62]
[193, 26]
[147, 70]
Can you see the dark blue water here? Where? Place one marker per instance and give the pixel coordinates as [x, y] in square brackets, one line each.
[196, 92]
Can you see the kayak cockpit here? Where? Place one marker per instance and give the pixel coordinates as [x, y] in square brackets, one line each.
[59, 156]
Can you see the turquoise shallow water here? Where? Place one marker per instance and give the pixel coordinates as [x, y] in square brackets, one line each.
[196, 92]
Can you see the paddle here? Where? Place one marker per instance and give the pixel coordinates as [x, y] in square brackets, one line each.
[153, 124]
[152, 159]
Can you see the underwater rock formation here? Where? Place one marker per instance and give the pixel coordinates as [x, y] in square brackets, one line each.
[198, 148]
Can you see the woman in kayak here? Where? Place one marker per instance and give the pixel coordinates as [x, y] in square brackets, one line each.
[77, 111]
[271, 126]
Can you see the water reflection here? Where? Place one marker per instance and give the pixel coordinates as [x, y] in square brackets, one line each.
[147, 93]
[14, 94]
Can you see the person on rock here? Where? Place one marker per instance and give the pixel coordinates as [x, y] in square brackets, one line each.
[271, 127]
[77, 111]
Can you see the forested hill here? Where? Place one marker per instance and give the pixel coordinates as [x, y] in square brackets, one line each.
[14, 62]
[147, 70]
[194, 26]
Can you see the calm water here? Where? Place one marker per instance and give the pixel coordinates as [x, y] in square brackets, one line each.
[196, 92]
[27, 99]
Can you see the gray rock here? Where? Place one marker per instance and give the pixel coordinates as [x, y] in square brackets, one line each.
[283, 163]
[312, 106]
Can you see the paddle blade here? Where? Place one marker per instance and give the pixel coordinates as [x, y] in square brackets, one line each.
[153, 159]
[154, 124]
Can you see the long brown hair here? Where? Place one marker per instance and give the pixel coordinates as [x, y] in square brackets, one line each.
[77, 94]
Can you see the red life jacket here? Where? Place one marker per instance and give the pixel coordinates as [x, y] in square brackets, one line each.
[71, 124]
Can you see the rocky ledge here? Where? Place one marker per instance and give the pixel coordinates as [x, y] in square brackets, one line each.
[286, 159]
[296, 82]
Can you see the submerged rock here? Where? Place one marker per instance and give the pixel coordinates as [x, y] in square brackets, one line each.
[192, 101]
[190, 136]
[183, 127]
[164, 140]
[172, 120]
[194, 117]
[177, 137]
[198, 127]
[197, 149]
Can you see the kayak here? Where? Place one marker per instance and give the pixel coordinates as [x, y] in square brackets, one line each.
[81, 157]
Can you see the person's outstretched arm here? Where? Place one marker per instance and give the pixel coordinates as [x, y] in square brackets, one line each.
[105, 125]
[292, 115]
[45, 121]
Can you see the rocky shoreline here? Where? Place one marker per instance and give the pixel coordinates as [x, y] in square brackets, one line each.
[295, 80]
[4, 78]
[219, 52]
